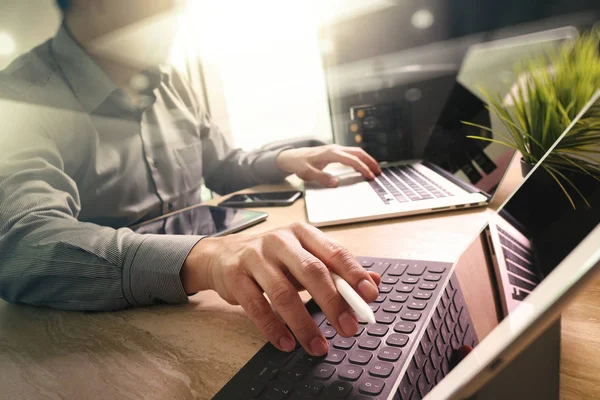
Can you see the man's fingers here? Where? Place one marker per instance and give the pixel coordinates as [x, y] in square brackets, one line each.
[365, 158]
[290, 307]
[338, 259]
[316, 278]
[339, 155]
[314, 174]
[376, 277]
[260, 313]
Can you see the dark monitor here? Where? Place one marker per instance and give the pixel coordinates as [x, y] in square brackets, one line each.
[407, 54]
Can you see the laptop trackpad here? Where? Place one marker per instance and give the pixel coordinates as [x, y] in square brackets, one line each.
[350, 179]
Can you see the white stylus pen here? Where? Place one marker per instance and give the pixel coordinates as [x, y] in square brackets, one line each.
[360, 307]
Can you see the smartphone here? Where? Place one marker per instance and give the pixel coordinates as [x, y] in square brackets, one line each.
[201, 220]
[266, 199]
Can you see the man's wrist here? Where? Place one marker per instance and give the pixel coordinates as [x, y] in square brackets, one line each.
[283, 160]
[196, 272]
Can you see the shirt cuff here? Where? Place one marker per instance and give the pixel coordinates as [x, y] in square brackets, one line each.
[152, 266]
[267, 167]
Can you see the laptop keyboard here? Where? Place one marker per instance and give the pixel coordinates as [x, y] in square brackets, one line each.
[368, 365]
[404, 183]
[519, 264]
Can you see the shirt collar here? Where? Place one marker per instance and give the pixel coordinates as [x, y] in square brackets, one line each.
[88, 81]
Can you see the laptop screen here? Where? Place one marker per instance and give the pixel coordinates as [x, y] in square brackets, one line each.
[556, 207]
[451, 146]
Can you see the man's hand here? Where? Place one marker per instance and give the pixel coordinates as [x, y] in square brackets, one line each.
[279, 263]
[308, 162]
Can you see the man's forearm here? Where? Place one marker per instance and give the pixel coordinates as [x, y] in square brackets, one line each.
[83, 266]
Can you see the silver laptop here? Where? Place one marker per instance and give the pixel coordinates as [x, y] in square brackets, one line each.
[454, 171]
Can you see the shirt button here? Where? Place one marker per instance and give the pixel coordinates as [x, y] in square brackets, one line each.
[170, 206]
[154, 163]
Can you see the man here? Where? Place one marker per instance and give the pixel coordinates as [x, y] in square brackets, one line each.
[95, 138]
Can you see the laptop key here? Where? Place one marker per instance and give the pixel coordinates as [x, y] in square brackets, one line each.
[293, 375]
[410, 279]
[377, 330]
[404, 327]
[257, 389]
[390, 280]
[381, 369]
[398, 298]
[432, 277]
[385, 318]
[389, 354]
[422, 295]
[427, 286]
[413, 375]
[366, 263]
[380, 299]
[397, 269]
[416, 270]
[405, 389]
[323, 371]
[380, 267]
[404, 288]
[360, 357]
[416, 305]
[328, 331]
[371, 386]
[397, 340]
[350, 372]
[310, 388]
[369, 343]
[423, 386]
[268, 373]
[343, 343]
[360, 330]
[374, 307]
[419, 358]
[392, 308]
[385, 288]
[436, 270]
[279, 390]
[335, 356]
[411, 316]
[338, 390]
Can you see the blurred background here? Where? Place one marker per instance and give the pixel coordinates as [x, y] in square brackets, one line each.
[271, 70]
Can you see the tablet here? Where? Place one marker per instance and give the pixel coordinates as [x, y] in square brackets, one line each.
[202, 220]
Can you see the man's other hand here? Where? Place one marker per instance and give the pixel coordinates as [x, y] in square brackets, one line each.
[240, 268]
[308, 162]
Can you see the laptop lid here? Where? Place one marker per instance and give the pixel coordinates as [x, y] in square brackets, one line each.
[478, 165]
[564, 233]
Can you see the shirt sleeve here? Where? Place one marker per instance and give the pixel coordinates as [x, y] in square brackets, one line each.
[49, 258]
[227, 169]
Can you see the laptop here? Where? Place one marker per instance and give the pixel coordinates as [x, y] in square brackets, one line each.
[454, 171]
[427, 313]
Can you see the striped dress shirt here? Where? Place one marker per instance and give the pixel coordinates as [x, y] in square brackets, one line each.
[79, 162]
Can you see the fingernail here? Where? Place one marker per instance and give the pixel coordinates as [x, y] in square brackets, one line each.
[318, 346]
[286, 344]
[367, 289]
[348, 323]
[332, 182]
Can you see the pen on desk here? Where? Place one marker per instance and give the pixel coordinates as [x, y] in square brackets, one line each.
[360, 307]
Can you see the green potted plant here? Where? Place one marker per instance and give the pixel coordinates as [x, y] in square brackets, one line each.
[550, 92]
